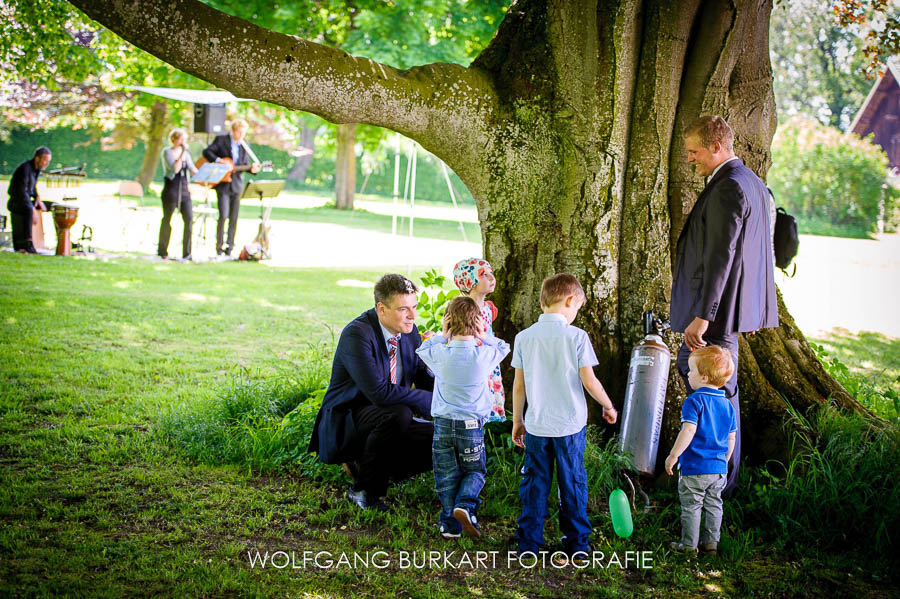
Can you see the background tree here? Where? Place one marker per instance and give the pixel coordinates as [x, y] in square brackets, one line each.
[61, 66]
[819, 64]
[566, 129]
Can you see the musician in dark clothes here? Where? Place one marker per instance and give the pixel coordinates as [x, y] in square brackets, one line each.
[23, 198]
[175, 195]
[234, 147]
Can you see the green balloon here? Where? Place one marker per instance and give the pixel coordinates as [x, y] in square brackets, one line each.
[621, 513]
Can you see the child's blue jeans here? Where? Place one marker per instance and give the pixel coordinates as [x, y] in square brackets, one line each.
[459, 466]
[571, 478]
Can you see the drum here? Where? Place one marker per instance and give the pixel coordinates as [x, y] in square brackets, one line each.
[64, 216]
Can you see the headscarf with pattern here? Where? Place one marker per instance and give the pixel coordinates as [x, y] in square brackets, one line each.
[468, 272]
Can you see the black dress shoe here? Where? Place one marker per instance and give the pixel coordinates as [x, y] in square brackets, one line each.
[363, 501]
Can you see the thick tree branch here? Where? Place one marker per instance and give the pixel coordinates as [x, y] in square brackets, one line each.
[445, 107]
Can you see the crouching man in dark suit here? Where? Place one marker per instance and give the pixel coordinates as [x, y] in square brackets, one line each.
[367, 417]
[723, 279]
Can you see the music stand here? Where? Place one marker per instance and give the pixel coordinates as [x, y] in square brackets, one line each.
[262, 190]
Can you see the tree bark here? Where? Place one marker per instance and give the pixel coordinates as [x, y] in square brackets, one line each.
[155, 140]
[566, 129]
[345, 167]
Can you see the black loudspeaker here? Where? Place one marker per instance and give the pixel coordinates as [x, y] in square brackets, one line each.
[209, 118]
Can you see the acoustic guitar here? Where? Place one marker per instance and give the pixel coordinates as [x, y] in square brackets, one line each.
[265, 167]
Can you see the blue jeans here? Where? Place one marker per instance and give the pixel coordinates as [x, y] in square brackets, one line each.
[571, 478]
[460, 466]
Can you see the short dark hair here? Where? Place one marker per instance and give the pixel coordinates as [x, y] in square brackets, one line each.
[393, 284]
[559, 287]
[463, 316]
[40, 151]
[710, 129]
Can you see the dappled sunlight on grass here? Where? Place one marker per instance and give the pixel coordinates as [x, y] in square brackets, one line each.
[197, 297]
[354, 283]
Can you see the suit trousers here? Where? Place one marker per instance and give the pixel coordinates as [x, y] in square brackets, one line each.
[396, 446]
[729, 342]
[229, 208]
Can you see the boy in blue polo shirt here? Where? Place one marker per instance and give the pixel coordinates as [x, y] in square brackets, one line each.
[461, 358]
[553, 360]
[706, 440]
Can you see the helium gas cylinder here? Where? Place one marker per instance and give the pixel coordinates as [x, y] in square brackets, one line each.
[645, 396]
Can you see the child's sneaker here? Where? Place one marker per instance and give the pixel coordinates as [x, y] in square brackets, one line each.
[449, 534]
[469, 522]
[709, 548]
[679, 548]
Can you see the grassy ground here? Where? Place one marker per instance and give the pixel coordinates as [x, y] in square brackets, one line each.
[96, 500]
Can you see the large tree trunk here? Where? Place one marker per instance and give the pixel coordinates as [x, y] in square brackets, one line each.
[345, 167]
[567, 131]
[155, 140]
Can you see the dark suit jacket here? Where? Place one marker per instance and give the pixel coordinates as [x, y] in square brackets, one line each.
[723, 260]
[221, 148]
[361, 376]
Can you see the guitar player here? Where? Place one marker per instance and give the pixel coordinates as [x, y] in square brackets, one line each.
[232, 147]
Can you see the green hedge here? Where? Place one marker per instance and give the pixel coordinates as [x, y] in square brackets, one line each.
[830, 182]
[73, 146]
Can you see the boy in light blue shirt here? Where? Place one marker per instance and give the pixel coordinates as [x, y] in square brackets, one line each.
[705, 443]
[553, 360]
[461, 358]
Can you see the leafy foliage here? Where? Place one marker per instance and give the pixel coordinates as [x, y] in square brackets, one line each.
[819, 174]
[817, 64]
[433, 301]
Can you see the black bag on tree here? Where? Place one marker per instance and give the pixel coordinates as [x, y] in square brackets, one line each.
[786, 241]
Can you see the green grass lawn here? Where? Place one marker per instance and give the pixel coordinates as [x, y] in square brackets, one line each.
[96, 500]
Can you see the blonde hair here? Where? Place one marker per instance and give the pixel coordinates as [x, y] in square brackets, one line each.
[715, 363]
[559, 287]
[711, 129]
[239, 123]
[463, 316]
[175, 133]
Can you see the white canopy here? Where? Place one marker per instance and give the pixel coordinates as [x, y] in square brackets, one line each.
[195, 96]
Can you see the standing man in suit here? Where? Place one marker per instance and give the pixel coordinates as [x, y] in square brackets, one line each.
[367, 417]
[231, 146]
[723, 280]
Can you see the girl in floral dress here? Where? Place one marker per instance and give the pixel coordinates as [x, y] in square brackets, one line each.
[475, 278]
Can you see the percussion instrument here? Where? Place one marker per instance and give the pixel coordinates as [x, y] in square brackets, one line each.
[64, 216]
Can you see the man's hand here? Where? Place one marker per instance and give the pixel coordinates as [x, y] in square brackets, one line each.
[610, 415]
[40, 205]
[518, 434]
[254, 168]
[670, 463]
[693, 334]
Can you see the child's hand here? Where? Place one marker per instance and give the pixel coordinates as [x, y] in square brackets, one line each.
[610, 415]
[427, 335]
[670, 463]
[445, 331]
[518, 434]
[481, 333]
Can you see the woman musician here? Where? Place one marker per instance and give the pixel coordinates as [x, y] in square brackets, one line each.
[175, 195]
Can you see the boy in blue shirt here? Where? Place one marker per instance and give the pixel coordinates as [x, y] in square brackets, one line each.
[553, 360]
[461, 358]
[706, 440]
